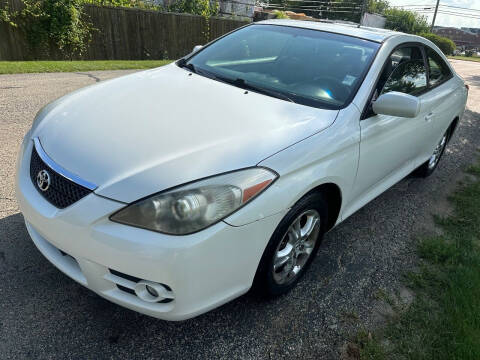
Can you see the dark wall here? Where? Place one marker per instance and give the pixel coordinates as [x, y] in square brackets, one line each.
[126, 33]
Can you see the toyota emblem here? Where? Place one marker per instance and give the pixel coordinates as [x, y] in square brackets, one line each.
[43, 180]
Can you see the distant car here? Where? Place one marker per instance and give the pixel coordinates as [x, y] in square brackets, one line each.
[174, 190]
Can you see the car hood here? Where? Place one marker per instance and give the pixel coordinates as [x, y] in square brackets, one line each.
[149, 131]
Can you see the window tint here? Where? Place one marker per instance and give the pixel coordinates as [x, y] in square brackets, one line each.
[409, 78]
[311, 67]
[439, 71]
[404, 72]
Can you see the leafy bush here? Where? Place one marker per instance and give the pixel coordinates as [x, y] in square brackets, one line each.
[405, 21]
[445, 44]
[6, 15]
[378, 6]
[197, 7]
[147, 4]
[469, 53]
[50, 24]
[280, 14]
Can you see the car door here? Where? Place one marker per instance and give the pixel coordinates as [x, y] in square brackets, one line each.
[389, 144]
[438, 103]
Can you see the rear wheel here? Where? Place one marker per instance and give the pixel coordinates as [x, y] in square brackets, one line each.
[427, 168]
[292, 246]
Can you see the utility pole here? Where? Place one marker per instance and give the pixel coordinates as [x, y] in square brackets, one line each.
[434, 16]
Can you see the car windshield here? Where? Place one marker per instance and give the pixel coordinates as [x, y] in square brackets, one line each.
[309, 67]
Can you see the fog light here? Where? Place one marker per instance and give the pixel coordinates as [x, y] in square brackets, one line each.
[153, 292]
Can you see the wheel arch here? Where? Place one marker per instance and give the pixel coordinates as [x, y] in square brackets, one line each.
[453, 126]
[333, 196]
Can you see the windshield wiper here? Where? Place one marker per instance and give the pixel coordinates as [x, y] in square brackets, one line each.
[183, 63]
[241, 83]
[248, 86]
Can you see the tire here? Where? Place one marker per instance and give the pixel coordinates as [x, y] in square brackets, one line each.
[274, 278]
[429, 166]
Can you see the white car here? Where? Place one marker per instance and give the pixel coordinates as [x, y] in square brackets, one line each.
[174, 190]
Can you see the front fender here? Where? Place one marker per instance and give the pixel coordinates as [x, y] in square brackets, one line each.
[330, 156]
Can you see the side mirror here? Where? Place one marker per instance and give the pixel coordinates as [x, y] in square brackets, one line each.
[196, 48]
[397, 104]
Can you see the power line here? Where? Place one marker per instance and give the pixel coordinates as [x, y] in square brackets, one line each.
[461, 15]
[312, 9]
[440, 11]
[460, 7]
[452, 13]
[413, 5]
[428, 10]
[324, 2]
[313, 6]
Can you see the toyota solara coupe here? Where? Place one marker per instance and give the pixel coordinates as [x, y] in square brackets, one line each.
[174, 190]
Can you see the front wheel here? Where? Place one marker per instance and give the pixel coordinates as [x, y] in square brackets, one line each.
[292, 246]
[428, 167]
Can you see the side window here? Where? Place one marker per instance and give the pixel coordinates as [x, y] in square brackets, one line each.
[439, 71]
[405, 72]
[409, 77]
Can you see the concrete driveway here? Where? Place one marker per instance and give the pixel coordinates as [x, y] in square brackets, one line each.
[44, 314]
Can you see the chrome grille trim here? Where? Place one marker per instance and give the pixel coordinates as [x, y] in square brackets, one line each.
[60, 170]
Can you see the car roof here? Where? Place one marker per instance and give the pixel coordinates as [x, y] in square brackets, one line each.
[350, 29]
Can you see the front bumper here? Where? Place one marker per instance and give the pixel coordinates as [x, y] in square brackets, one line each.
[203, 270]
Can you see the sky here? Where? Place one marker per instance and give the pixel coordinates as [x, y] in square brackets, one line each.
[448, 20]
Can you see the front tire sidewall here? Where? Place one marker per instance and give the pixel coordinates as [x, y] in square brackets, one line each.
[264, 282]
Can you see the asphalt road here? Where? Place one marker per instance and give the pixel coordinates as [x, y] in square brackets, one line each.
[44, 314]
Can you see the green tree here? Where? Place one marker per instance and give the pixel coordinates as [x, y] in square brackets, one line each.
[378, 6]
[445, 44]
[405, 21]
[399, 19]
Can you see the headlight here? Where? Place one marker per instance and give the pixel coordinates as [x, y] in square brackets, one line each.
[195, 206]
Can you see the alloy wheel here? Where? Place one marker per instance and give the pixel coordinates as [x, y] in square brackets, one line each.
[296, 247]
[437, 153]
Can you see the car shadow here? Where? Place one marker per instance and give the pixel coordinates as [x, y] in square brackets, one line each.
[473, 79]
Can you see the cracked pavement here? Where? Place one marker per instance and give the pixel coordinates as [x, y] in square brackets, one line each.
[44, 314]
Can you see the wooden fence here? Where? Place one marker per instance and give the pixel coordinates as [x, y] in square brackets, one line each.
[126, 34]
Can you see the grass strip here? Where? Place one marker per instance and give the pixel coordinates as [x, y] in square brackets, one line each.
[20, 67]
[443, 322]
[467, 58]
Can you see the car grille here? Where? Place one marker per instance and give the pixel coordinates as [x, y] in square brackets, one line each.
[61, 192]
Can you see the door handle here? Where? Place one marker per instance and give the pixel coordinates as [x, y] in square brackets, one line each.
[429, 117]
